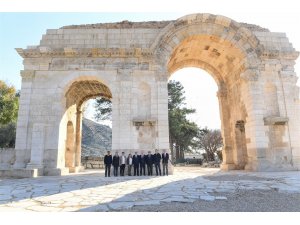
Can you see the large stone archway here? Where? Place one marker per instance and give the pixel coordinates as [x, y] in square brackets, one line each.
[253, 67]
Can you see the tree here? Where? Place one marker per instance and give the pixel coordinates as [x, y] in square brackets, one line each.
[103, 109]
[9, 104]
[8, 135]
[210, 141]
[181, 130]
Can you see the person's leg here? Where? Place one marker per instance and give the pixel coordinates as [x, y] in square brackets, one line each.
[144, 168]
[109, 166]
[137, 170]
[156, 169]
[164, 169]
[105, 170]
[167, 168]
[159, 169]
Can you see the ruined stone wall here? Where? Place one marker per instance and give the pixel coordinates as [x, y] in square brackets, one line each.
[7, 157]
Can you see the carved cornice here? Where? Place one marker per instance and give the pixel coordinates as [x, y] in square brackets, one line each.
[85, 52]
[27, 74]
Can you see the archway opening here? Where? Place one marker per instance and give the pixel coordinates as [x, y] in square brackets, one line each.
[200, 95]
[96, 137]
[77, 95]
[224, 62]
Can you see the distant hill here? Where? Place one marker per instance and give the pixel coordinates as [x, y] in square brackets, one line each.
[96, 138]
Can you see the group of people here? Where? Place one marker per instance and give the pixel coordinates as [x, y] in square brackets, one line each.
[138, 162]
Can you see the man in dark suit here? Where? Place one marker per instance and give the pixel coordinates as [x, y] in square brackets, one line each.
[107, 163]
[165, 160]
[136, 162]
[149, 162]
[142, 164]
[156, 160]
[116, 163]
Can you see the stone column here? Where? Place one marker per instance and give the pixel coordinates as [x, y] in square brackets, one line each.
[22, 148]
[227, 151]
[291, 105]
[256, 138]
[162, 115]
[37, 146]
[78, 139]
[115, 145]
[122, 117]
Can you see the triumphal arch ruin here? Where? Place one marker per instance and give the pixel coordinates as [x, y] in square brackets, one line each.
[130, 63]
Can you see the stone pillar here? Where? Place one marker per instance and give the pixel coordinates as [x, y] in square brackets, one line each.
[37, 146]
[122, 123]
[227, 151]
[22, 148]
[115, 145]
[291, 102]
[162, 116]
[78, 140]
[256, 138]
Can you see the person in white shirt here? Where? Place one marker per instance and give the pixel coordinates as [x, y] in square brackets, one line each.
[122, 164]
[129, 163]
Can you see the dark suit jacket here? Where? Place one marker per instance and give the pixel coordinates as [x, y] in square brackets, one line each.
[142, 159]
[116, 160]
[135, 160]
[156, 158]
[165, 158]
[107, 159]
[149, 159]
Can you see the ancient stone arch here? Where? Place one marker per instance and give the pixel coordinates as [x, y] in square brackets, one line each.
[131, 63]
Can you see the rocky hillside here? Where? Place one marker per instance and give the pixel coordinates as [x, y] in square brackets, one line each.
[96, 138]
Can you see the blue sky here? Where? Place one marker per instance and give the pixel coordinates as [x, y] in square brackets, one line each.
[18, 30]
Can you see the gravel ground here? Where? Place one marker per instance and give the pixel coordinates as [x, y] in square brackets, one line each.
[240, 201]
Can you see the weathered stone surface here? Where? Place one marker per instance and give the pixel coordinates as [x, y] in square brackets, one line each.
[131, 63]
[120, 193]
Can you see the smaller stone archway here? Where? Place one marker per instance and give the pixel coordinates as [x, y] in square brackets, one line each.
[77, 92]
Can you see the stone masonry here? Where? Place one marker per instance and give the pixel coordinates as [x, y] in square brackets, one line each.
[130, 63]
